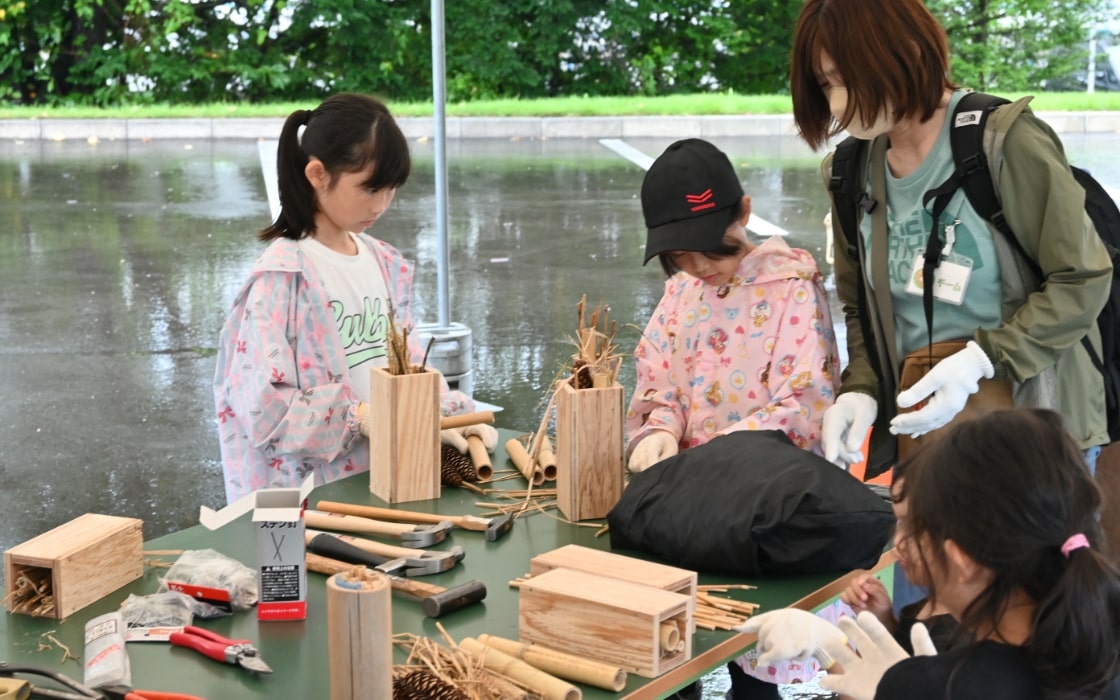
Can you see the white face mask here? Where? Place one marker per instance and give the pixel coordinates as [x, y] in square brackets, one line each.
[838, 103]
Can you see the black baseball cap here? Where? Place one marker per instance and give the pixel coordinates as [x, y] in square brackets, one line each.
[686, 197]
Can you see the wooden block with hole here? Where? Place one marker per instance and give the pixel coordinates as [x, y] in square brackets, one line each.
[642, 629]
[590, 450]
[67, 568]
[624, 568]
[404, 436]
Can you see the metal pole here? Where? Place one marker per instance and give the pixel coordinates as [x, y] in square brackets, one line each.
[1091, 81]
[439, 100]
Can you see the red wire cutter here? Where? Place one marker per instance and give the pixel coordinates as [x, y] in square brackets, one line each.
[239, 652]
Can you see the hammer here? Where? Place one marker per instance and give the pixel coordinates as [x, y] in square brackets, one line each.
[494, 527]
[414, 562]
[328, 555]
[410, 535]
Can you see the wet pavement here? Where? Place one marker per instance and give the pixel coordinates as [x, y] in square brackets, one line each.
[118, 261]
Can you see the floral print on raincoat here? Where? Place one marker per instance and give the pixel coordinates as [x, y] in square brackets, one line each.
[285, 408]
[758, 353]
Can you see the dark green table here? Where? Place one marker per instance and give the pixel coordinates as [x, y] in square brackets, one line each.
[297, 651]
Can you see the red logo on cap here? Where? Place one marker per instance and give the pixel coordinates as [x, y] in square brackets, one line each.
[700, 201]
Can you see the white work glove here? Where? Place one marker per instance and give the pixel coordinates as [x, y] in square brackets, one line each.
[651, 449]
[878, 651]
[948, 386]
[455, 438]
[845, 427]
[791, 634]
[486, 432]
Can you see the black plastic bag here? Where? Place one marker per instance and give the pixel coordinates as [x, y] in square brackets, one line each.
[752, 502]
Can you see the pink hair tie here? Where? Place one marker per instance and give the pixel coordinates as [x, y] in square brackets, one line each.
[1074, 542]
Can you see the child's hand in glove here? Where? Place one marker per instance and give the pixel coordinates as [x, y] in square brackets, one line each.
[791, 634]
[651, 449]
[878, 651]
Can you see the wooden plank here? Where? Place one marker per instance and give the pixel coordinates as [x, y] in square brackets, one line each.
[618, 566]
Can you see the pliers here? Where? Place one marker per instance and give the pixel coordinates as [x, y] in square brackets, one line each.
[239, 652]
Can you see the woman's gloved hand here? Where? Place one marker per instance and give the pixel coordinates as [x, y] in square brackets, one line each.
[878, 651]
[844, 427]
[948, 386]
[791, 634]
[653, 448]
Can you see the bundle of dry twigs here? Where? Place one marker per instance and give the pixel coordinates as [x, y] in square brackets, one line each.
[400, 359]
[596, 362]
[447, 670]
[717, 613]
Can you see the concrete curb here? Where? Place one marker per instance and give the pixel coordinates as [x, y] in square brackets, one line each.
[527, 128]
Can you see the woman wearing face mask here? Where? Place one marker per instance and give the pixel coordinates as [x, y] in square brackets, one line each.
[879, 69]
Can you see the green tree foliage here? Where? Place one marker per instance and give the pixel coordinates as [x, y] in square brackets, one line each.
[185, 51]
[1017, 45]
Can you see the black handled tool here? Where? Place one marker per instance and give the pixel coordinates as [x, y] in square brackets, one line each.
[330, 555]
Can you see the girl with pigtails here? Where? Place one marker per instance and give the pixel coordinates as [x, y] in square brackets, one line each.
[291, 386]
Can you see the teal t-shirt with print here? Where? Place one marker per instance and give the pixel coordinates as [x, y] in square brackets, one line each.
[909, 225]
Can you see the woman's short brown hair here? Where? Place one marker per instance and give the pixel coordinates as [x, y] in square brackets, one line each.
[891, 54]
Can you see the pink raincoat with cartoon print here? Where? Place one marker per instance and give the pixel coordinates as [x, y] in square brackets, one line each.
[285, 408]
[758, 353]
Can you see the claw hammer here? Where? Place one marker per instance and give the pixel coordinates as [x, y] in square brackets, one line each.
[494, 528]
[330, 555]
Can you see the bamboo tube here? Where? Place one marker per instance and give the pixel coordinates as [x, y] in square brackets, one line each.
[548, 686]
[359, 626]
[465, 419]
[520, 458]
[547, 459]
[670, 637]
[562, 664]
[480, 458]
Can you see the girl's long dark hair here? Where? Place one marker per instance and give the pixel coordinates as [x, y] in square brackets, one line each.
[1009, 489]
[347, 132]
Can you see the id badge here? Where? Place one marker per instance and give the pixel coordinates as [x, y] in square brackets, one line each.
[950, 279]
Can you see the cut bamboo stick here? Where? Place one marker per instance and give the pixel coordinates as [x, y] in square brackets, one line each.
[670, 636]
[520, 458]
[548, 686]
[562, 664]
[464, 419]
[547, 459]
[480, 458]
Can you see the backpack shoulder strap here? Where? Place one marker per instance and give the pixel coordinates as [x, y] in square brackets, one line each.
[966, 137]
[849, 164]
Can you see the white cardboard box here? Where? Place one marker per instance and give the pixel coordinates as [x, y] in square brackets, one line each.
[281, 571]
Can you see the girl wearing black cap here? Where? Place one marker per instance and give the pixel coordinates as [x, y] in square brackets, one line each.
[742, 338]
